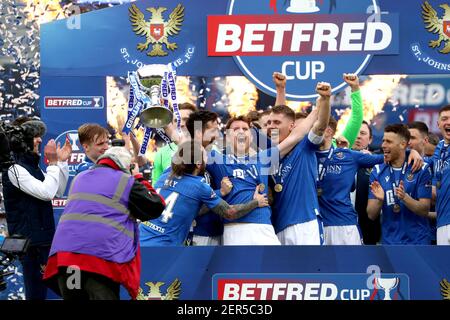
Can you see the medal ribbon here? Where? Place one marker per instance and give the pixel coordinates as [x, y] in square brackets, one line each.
[395, 183]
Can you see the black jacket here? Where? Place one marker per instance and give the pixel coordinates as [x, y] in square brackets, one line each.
[26, 215]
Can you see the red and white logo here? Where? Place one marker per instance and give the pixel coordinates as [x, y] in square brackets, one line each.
[157, 30]
[447, 28]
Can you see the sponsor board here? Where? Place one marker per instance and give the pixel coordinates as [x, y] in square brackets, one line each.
[307, 46]
[88, 102]
[311, 286]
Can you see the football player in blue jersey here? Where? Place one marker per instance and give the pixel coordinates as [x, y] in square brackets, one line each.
[296, 207]
[337, 168]
[94, 139]
[203, 127]
[441, 179]
[419, 140]
[247, 170]
[185, 191]
[336, 171]
[403, 196]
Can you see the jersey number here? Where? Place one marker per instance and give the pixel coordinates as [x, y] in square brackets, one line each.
[167, 214]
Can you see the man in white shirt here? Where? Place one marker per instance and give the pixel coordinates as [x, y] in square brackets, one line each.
[28, 192]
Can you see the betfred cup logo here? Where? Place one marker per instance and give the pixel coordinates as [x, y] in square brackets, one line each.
[301, 40]
[386, 284]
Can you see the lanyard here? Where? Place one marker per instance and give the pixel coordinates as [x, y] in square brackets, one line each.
[278, 176]
[323, 169]
[442, 158]
[395, 183]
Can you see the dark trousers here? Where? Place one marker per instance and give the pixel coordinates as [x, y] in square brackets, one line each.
[33, 264]
[92, 286]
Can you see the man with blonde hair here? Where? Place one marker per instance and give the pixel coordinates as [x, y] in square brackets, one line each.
[94, 140]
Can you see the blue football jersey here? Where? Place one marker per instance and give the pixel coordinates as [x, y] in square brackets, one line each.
[85, 165]
[441, 179]
[245, 173]
[184, 197]
[209, 224]
[335, 204]
[404, 227]
[297, 202]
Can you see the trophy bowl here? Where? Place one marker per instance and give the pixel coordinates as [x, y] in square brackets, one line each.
[154, 114]
[387, 284]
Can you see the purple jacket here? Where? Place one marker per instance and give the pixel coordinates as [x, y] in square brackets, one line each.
[96, 220]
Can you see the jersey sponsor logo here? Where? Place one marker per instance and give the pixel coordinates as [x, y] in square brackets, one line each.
[436, 21]
[86, 102]
[334, 169]
[311, 287]
[154, 226]
[238, 174]
[173, 291]
[77, 155]
[305, 45]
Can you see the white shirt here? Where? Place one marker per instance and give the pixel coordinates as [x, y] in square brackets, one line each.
[54, 184]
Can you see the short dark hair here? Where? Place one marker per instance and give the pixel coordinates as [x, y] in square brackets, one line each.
[204, 116]
[444, 108]
[433, 138]
[238, 118]
[332, 123]
[283, 109]
[265, 113]
[419, 125]
[399, 129]
[187, 106]
[369, 127]
[301, 115]
[253, 115]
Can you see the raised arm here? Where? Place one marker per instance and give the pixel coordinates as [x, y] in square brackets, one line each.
[280, 84]
[324, 91]
[298, 133]
[353, 125]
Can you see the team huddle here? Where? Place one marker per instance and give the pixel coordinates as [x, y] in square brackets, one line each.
[283, 178]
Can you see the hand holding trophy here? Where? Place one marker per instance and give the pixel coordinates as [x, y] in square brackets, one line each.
[153, 114]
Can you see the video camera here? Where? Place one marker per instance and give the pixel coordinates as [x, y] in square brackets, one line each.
[16, 139]
[12, 248]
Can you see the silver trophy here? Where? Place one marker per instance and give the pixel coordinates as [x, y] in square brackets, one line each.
[387, 284]
[303, 6]
[153, 115]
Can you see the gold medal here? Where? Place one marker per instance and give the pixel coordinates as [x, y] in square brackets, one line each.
[278, 187]
[319, 192]
[261, 187]
[397, 208]
[438, 184]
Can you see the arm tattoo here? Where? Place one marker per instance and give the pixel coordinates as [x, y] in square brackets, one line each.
[236, 211]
